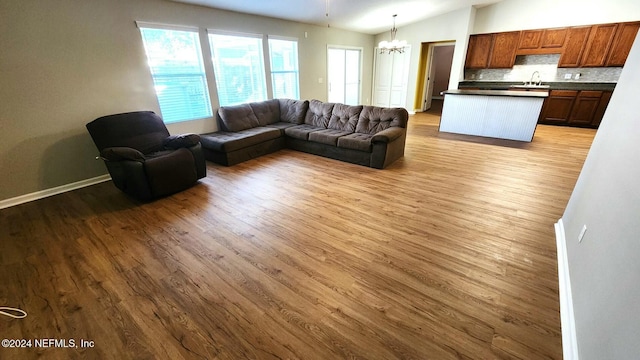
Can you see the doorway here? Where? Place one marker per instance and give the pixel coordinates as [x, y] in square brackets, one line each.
[344, 73]
[436, 59]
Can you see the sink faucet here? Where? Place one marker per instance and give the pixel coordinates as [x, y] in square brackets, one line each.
[532, 76]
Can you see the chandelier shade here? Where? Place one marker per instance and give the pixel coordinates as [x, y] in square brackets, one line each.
[394, 45]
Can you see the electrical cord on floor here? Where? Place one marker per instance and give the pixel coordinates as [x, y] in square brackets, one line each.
[13, 312]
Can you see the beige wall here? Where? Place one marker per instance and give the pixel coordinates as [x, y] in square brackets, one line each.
[65, 62]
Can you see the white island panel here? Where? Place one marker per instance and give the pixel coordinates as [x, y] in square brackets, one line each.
[511, 116]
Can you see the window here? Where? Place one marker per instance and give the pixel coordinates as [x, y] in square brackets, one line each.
[175, 60]
[238, 63]
[284, 68]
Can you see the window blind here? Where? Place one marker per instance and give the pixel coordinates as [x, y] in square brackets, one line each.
[175, 61]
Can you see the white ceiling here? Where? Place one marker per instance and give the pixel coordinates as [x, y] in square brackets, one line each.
[365, 16]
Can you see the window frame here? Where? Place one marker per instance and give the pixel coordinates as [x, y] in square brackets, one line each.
[206, 96]
[261, 56]
[297, 65]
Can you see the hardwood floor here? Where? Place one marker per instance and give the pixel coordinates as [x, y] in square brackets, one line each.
[447, 254]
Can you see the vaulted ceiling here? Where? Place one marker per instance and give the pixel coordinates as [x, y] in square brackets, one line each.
[365, 16]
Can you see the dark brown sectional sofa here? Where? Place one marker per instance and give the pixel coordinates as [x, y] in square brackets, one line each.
[365, 135]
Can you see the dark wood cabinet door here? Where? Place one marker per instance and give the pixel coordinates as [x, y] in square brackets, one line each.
[503, 51]
[479, 51]
[557, 107]
[598, 45]
[553, 38]
[625, 35]
[602, 107]
[574, 46]
[530, 39]
[585, 108]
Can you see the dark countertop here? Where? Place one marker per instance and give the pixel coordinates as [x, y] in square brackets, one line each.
[560, 85]
[512, 93]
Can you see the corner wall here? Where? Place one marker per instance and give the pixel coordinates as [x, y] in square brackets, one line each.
[605, 267]
[64, 63]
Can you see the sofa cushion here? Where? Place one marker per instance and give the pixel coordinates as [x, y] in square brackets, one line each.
[344, 117]
[180, 141]
[327, 136]
[236, 118]
[267, 112]
[319, 113]
[224, 141]
[293, 111]
[120, 153]
[281, 125]
[301, 131]
[356, 141]
[374, 119]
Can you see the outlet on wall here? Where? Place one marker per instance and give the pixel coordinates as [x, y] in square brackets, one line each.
[581, 235]
[567, 76]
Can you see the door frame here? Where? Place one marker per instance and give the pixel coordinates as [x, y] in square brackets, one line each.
[344, 47]
[427, 91]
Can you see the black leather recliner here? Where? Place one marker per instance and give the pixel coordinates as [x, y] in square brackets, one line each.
[143, 160]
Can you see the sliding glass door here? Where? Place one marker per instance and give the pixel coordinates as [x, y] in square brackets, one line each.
[344, 75]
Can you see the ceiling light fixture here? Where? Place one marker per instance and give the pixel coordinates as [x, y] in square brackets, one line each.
[394, 45]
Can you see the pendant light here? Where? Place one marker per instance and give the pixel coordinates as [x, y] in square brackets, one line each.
[394, 45]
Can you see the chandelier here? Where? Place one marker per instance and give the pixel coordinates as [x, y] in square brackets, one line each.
[393, 45]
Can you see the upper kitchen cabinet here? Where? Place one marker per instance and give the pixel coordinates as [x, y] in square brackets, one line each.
[554, 38]
[579, 46]
[574, 46]
[598, 45]
[479, 50]
[503, 51]
[625, 35]
[544, 41]
[530, 40]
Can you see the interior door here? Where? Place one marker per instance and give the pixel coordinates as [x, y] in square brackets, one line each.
[344, 75]
[431, 72]
[391, 77]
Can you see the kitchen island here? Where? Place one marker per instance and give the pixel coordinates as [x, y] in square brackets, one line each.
[503, 114]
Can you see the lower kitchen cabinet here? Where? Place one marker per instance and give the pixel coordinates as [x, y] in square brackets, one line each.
[575, 108]
[602, 107]
[584, 109]
[556, 109]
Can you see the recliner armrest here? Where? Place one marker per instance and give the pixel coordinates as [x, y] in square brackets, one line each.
[121, 153]
[181, 141]
[388, 135]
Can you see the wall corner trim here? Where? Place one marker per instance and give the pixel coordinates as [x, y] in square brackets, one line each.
[569, 339]
[52, 191]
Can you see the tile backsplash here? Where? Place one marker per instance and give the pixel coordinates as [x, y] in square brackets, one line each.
[547, 66]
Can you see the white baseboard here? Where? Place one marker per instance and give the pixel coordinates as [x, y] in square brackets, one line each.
[53, 191]
[569, 339]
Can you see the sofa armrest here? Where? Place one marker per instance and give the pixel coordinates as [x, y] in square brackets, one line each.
[121, 153]
[388, 135]
[181, 141]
